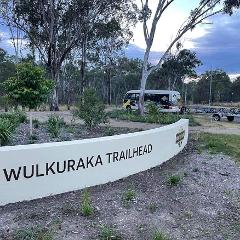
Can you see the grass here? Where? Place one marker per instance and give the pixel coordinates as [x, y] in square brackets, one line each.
[160, 118]
[54, 125]
[108, 233]
[33, 234]
[129, 195]
[86, 207]
[174, 180]
[158, 235]
[8, 124]
[221, 143]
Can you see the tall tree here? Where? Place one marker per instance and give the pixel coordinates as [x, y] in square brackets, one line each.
[177, 67]
[57, 27]
[220, 85]
[236, 90]
[203, 10]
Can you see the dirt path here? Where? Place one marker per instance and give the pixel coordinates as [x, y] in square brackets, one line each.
[204, 205]
[222, 127]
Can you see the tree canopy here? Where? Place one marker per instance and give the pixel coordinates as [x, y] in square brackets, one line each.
[28, 87]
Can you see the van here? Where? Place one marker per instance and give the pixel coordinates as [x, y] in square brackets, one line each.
[166, 101]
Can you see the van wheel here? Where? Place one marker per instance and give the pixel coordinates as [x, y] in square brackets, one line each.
[230, 118]
[216, 117]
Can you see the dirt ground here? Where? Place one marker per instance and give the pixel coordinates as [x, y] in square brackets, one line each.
[204, 205]
[207, 124]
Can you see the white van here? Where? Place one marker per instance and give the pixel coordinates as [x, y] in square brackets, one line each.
[167, 101]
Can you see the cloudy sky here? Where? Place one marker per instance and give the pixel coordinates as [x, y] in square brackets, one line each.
[217, 44]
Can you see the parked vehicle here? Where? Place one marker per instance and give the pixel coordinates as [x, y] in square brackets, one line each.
[166, 101]
[230, 114]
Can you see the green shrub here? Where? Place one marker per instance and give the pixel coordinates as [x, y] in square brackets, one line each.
[91, 109]
[15, 118]
[174, 180]
[6, 129]
[159, 236]
[28, 87]
[86, 207]
[108, 233]
[129, 195]
[153, 116]
[33, 234]
[54, 125]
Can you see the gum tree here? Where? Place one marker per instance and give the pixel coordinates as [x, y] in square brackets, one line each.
[57, 27]
[203, 10]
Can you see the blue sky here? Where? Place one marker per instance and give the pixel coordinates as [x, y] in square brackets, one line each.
[217, 45]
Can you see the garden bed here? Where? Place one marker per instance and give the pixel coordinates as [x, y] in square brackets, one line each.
[22, 136]
[195, 195]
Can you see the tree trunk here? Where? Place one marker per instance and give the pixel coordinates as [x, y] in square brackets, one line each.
[54, 102]
[83, 66]
[109, 86]
[145, 75]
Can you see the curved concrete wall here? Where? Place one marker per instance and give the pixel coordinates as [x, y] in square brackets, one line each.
[34, 171]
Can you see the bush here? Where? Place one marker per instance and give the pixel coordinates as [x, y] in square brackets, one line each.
[91, 109]
[152, 117]
[86, 207]
[158, 235]
[54, 125]
[28, 87]
[129, 195]
[174, 180]
[15, 117]
[33, 234]
[108, 233]
[6, 129]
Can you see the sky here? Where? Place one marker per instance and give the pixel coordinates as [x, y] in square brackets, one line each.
[216, 44]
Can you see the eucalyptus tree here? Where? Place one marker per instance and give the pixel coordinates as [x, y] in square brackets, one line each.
[108, 49]
[203, 10]
[57, 27]
[179, 66]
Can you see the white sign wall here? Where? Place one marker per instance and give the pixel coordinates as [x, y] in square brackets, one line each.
[39, 170]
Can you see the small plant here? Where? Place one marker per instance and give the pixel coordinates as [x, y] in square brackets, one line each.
[15, 118]
[21, 116]
[109, 131]
[108, 233]
[33, 234]
[152, 207]
[154, 116]
[32, 138]
[86, 207]
[158, 235]
[35, 123]
[54, 125]
[91, 109]
[129, 195]
[6, 129]
[174, 180]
